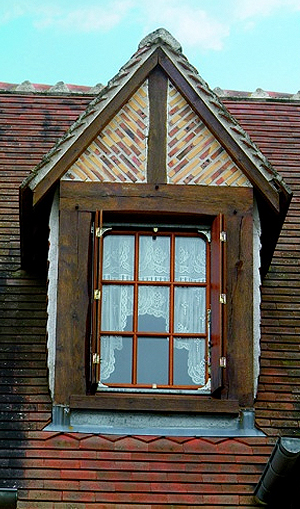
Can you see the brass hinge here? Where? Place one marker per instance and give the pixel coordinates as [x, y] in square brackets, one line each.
[208, 318]
[222, 362]
[96, 358]
[223, 298]
[223, 236]
[100, 231]
[97, 294]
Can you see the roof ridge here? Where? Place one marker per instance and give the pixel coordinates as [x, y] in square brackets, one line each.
[259, 93]
[60, 88]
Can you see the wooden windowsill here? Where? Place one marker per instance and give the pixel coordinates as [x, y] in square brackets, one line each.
[154, 403]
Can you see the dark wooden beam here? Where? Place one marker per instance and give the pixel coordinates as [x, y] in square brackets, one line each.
[72, 304]
[154, 403]
[157, 140]
[158, 199]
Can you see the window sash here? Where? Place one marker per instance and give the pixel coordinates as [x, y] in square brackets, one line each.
[174, 335]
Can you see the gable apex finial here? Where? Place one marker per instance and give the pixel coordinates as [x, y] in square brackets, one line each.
[162, 36]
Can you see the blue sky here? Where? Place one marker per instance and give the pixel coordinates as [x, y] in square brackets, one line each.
[234, 44]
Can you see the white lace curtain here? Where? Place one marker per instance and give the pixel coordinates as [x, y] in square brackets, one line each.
[154, 300]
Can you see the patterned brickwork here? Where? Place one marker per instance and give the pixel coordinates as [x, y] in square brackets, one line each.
[119, 153]
[194, 155]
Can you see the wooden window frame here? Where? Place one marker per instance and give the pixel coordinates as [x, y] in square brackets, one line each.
[138, 231]
[78, 204]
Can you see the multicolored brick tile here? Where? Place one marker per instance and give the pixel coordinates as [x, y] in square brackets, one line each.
[194, 156]
[119, 152]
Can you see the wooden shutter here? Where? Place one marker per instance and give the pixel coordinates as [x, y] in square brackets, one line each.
[96, 302]
[218, 303]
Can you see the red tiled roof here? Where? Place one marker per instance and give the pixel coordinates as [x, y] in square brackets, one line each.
[117, 471]
[275, 127]
[94, 471]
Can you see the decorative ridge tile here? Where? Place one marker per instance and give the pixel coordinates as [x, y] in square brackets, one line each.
[60, 88]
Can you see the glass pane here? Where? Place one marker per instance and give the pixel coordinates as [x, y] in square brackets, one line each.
[118, 257]
[154, 258]
[189, 361]
[153, 308]
[190, 259]
[153, 361]
[117, 308]
[190, 309]
[116, 359]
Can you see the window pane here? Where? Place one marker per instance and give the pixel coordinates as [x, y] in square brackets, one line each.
[118, 257]
[190, 310]
[190, 259]
[117, 308]
[153, 361]
[154, 258]
[116, 359]
[153, 309]
[189, 361]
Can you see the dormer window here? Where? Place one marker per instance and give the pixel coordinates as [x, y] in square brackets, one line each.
[156, 303]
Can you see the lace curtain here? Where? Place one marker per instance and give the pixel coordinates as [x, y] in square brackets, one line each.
[153, 300]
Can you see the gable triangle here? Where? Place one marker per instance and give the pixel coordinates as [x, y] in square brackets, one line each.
[193, 155]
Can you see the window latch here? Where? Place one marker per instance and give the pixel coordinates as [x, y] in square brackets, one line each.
[100, 231]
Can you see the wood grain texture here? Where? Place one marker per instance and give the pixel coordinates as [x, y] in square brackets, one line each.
[73, 304]
[157, 150]
[155, 403]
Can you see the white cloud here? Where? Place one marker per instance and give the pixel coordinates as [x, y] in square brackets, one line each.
[191, 26]
[76, 16]
[245, 9]
[84, 19]
[207, 27]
